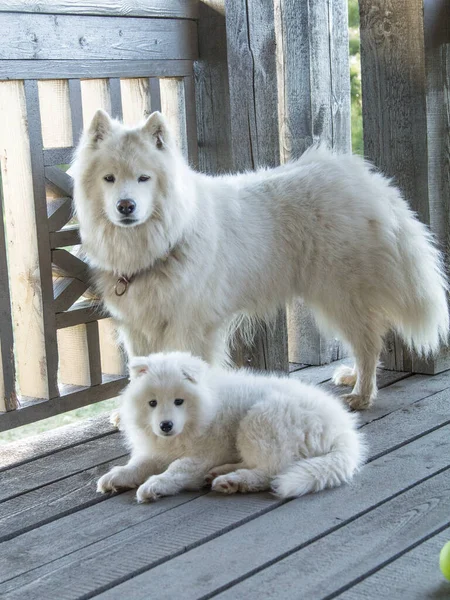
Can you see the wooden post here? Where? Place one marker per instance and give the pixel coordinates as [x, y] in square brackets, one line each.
[406, 107]
[314, 105]
[252, 70]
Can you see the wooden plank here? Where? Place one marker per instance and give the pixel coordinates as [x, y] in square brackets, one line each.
[406, 118]
[86, 38]
[93, 348]
[116, 97]
[191, 121]
[33, 410]
[155, 94]
[224, 561]
[212, 95]
[53, 501]
[135, 100]
[58, 156]
[173, 108]
[59, 180]
[69, 236]
[55, 113]
[92, 69]
[36, 473]
[179, 9]
[312, 39]
[251, 47]
[51, 441]
[316, 375]
[350, 552]
[8, 395]
[66, 292]
[83, 312]
[146, 544]
[59, 212]
[76, 110]
[70, 265]
[415, 573]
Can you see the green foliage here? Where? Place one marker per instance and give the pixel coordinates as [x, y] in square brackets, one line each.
[355, 77]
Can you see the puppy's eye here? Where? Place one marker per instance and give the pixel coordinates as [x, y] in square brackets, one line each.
[178, 401]
[153, 403]
[109, 178]
[143, 178]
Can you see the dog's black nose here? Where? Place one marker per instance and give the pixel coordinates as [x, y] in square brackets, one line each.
[126, 207]
[166, 426]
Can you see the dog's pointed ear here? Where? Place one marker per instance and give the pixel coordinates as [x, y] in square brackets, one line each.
[100, 127]
[156, 127]
[194, 369]
[138, 366]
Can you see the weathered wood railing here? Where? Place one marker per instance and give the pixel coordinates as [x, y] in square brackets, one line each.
[245, 84]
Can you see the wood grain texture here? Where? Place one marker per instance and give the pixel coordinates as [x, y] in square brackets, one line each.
[180, 9]
[54, 440]
[414, 574]
[406, 125]
[92, 69]
[72, 397]
[251, 49]
[69, 37]
[135, 100]
[225, 560]
[212, 95]
[346, 554]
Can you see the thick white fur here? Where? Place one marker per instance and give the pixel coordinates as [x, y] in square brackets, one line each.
[325, 227]
[237, 430]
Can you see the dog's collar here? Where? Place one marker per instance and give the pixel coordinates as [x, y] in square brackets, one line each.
[124, 281]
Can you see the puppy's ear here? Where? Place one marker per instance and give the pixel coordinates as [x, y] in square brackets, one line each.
[194, 369]
[100, 127]
[138, 366]
[156, 127]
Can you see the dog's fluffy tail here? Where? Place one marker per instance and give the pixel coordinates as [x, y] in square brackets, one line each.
[422, 319]
[320, 472]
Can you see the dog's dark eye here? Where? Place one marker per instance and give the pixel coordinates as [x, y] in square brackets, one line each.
[178, 401]
[109, 178]
[143, 178]
[153, 403]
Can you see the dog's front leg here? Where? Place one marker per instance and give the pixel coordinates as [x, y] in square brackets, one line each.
[130, 475]
[182, 474]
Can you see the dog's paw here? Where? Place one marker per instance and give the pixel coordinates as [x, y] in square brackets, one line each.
[344, 375]
[357, 402]
[117, 478]
[155, 487]
[225, 484]
[114, 418]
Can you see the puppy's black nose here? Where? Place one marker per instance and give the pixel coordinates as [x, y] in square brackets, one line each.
[126, 207]
[166, 426]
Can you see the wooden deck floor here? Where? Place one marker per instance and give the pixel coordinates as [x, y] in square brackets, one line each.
[378, 538]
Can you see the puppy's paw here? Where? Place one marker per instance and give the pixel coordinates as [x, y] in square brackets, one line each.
[155, 487]
[225, 484]
[118, 477]
[344, 375]
[357, 402]
[114, 418]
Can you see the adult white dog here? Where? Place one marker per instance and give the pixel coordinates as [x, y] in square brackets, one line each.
[176, 254]
[188, 423]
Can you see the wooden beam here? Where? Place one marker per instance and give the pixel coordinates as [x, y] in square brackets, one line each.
[176, 9]
[70, 37]
[406, 107]
[92, 69]
[252, 70]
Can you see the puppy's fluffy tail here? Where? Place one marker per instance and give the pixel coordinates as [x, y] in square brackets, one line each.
[320, 472]
[422, 319]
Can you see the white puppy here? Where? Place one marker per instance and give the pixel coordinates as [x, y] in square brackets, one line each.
[177, 254]
[188, 424]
